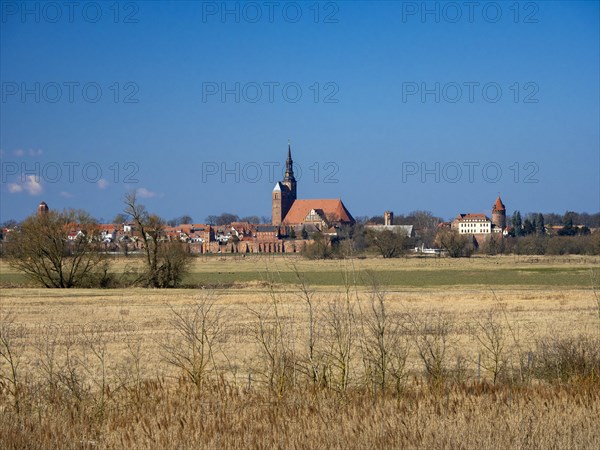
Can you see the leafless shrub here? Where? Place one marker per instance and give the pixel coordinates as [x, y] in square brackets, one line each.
[274, 334]
[46, 345]
[340, 329]
[432, 336]
[384, 346]
[519, 359]
[565, 359]
[313, 360]
[10, 357]
[492, 339]
[62, 368]
[130, 372]
[100, 380]
[197, 331]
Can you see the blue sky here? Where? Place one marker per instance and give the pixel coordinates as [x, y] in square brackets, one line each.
[387, 105]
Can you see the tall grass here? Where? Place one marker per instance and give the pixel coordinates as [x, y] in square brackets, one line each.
[179, 415]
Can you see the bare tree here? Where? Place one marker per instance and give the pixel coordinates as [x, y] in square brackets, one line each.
[339, 319]
[432, 338]
[383, 343]
[10, 357]
[492, 338]
[199, 328]
[166, 261]
[456, 244]
[314, 356]
[58, 249]
[390, 244]
[319, 248]
[223, 219]
[95, 363]
[518, 333]
[274, 337]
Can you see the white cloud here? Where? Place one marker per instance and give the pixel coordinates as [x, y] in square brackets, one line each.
[145, 193]
[66, 194]
[31, 185]
[31, 152]
[102, 183]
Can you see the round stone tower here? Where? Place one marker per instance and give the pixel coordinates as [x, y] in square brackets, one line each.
[42, 209]
[388, 218]
[499, 214]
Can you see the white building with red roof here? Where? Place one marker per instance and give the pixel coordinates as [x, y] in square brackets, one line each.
[475, 223]
[472, 224]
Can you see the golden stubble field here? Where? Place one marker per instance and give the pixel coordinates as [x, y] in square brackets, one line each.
[95, 367]
[116, 314]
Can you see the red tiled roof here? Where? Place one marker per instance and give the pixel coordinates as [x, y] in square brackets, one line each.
[185, 228]
[240, 224]
[330, 207]
[499, 206]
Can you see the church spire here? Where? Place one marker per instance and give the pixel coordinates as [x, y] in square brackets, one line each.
[289, 165]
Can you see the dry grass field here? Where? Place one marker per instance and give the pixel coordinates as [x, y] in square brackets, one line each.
[282, 352]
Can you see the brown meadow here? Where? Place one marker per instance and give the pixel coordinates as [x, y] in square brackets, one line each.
[270, 364]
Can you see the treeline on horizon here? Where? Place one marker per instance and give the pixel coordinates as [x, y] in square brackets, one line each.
[419, 219]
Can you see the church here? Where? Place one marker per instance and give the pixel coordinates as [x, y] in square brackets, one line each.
[321, 214]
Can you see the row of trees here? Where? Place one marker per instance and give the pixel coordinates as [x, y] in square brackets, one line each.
[424, 221]
[227, 218]
[218, 220]
[543, 245]
[536, 224]
[359, 240]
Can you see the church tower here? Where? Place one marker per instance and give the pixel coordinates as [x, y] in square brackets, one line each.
[284, 192]
[499, 214]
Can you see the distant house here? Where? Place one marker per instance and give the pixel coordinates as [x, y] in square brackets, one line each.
[267, 233]
[480, 223]
[74, 235]
[407, 230]
[108, 232]
[472, 224]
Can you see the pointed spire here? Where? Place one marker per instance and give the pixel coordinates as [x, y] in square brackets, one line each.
[498, 205]
[289, 164]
